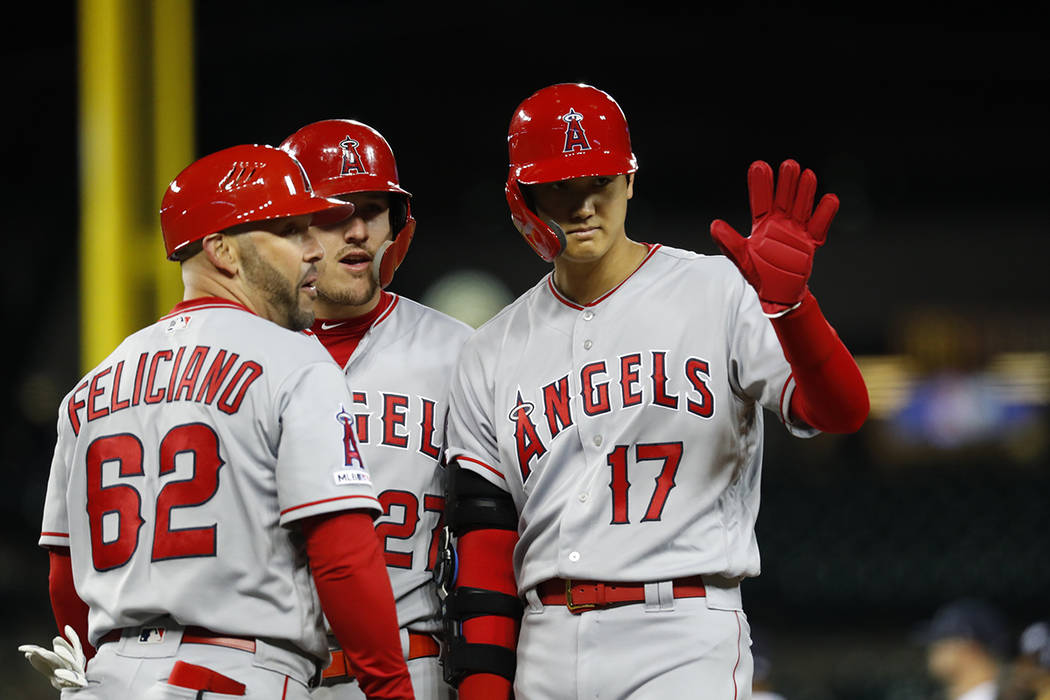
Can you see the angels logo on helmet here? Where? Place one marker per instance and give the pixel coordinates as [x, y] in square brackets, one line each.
[352, 163]
[575, 136]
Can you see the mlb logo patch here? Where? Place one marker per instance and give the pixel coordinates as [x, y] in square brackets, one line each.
[177, 324]
[346, 477]
[151, 635]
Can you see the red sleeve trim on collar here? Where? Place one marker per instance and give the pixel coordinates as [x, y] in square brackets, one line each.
[200, 303]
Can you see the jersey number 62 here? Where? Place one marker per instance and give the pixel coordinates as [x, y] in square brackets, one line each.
[125, 501]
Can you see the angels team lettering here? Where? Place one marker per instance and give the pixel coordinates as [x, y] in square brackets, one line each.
[405, 422]
[162, 376]
[629, 382]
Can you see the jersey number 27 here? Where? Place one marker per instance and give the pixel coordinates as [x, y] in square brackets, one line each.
[408, 503]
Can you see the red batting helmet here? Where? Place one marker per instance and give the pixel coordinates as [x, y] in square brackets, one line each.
[235, 186]
[343, 156]
[561, 132]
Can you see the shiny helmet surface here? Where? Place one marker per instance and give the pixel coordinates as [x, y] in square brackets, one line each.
[237, 185]
[561, 132]
[343, 156]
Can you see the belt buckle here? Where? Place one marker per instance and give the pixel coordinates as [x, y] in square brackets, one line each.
[573, 607]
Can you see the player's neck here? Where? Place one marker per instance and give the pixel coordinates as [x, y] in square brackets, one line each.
[197, 285]
[583, 282]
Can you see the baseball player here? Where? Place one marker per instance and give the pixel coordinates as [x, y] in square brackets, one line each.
[207, 499]
[967, 643]
[605, 429]
[397, 357]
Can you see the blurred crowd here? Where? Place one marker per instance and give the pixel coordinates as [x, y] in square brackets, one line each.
[971, 653]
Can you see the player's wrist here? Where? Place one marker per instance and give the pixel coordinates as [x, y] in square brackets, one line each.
[774, 310]
[777, 310]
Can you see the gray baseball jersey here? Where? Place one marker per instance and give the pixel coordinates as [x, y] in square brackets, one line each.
[628, 431]
[398, 378]
[180, 460]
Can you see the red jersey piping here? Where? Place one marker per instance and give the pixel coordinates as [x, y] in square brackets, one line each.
[326, 500]
[480, 463]
[736, 666]
[386, 314]
[573, 305]
[784, 410]
[206, 303]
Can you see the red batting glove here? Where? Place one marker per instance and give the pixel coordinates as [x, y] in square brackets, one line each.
[785, 233]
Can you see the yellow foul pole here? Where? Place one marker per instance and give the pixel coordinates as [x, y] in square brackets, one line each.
[136, 133]
[173, 126]
[107, 217]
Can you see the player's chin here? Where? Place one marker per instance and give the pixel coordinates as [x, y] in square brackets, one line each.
[301, 318]
[303, 313]
[584, 251]
[359, 291]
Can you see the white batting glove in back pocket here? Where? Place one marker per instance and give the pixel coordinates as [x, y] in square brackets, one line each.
[64, 665]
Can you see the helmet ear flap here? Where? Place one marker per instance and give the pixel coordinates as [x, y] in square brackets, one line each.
[391, 254]
[400, 211]
[544, 235]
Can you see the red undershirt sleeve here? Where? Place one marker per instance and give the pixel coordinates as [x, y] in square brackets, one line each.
[830, 393]
[67, 606]
[354, 588]
[486, 561]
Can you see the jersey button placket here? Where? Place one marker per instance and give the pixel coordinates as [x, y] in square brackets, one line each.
[579, 521]
[591, 442]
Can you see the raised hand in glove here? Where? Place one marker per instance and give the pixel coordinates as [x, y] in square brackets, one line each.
[785, 232]
[64, 666]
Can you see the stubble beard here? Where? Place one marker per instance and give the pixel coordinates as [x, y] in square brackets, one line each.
[349, 295]
[281, 295]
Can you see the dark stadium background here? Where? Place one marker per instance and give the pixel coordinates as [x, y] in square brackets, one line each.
[931, 126]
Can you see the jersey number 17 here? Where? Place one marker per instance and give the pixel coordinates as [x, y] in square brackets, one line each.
[670, 453]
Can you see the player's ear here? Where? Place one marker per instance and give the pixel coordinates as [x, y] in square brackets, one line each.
[222, 252]
[630, 185]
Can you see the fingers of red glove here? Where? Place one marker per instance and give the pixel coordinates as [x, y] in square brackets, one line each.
[807, 190]
[736, 249]
[787, 181]
[760, 189]
[821, 219]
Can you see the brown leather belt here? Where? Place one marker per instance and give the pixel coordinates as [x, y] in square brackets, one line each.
[196, 635]
[340, 670]
[581, 596]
